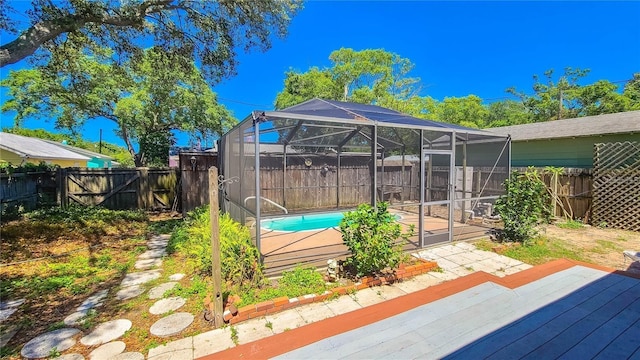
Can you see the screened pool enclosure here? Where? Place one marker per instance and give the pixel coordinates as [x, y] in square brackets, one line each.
[290, 175]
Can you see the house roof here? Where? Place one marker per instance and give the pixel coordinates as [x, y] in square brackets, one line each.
[618, 123]
[29, 147]
[80, 151]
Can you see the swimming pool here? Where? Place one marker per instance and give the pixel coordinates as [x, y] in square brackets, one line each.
[305, 222]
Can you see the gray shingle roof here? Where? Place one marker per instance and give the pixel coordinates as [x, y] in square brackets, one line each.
[36, 148]
[618, 123]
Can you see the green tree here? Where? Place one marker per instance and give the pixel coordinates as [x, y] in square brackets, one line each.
[367, 76]
[147, 97]
[507, 112]
[631, 93]
[206, 31]
[553, 100]
[465, 111]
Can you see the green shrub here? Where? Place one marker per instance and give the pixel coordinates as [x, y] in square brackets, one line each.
[523, 206]
[293, 283]
[371, 235]
[239, 258]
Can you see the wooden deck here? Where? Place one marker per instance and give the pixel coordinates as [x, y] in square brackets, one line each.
[284, 250]
[561, 309]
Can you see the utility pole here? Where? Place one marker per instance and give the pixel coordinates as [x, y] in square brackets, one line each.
[560, 105]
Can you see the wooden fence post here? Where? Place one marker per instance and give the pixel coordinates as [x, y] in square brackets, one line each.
[215, 247]
[143, 188]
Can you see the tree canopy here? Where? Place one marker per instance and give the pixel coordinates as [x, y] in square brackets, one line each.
[148, 97]
[383, 78]
[209, 32]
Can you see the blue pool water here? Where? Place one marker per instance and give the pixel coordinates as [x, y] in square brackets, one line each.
[304, 222]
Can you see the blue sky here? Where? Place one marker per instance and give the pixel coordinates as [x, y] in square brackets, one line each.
[458, 48]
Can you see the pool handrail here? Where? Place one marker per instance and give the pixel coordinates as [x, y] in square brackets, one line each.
[269, 201]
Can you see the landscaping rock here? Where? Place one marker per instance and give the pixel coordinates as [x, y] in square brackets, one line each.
[129, 292]
[166, 305]
[176, 277]
[106, 332]
[107, 351]
[158, 291]
[141, 277]
[42, 345]
[157, 243]
[172, 324]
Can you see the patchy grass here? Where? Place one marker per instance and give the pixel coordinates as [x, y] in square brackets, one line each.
[538, 251]
[570, 224]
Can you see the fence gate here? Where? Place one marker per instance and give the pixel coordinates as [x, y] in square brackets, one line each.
[119, 189]
[616, 185]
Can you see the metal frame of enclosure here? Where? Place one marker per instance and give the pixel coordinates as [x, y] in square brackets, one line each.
[326, 155]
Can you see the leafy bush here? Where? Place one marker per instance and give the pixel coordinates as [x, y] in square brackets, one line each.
[240, 259]
[371, 235]
[523, 205]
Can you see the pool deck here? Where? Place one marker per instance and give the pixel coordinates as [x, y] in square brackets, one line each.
[283, 250]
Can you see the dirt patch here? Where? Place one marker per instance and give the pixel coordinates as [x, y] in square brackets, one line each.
[598, 246]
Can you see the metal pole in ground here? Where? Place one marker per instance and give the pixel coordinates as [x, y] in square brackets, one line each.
[216, 271]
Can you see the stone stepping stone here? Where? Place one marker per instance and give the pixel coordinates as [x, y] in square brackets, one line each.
[157, 243]
[94, 300]
[42, 345]
[73, 356]
[158, 291]
[7, 308]
[129, 356]
[172, 324]
[129, 292]
[176, 277]
[138, 278]
[152, 254]
[11, 304]
[107, 351]
[106, 332]
[5, 313]
[145, 264]
[6, 333]
[166, 305]
[76, 317]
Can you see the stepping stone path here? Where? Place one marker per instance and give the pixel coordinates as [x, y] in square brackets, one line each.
[172, 324]
[166, 305]
[107, 351]
[158, 291]
[106, 332]
[42, 345]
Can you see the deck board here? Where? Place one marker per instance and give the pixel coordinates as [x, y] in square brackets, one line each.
[576, 313]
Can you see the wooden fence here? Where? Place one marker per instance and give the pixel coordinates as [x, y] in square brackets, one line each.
[140, 188]
[25, 191]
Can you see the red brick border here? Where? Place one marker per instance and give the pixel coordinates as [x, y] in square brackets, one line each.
[284, 303]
